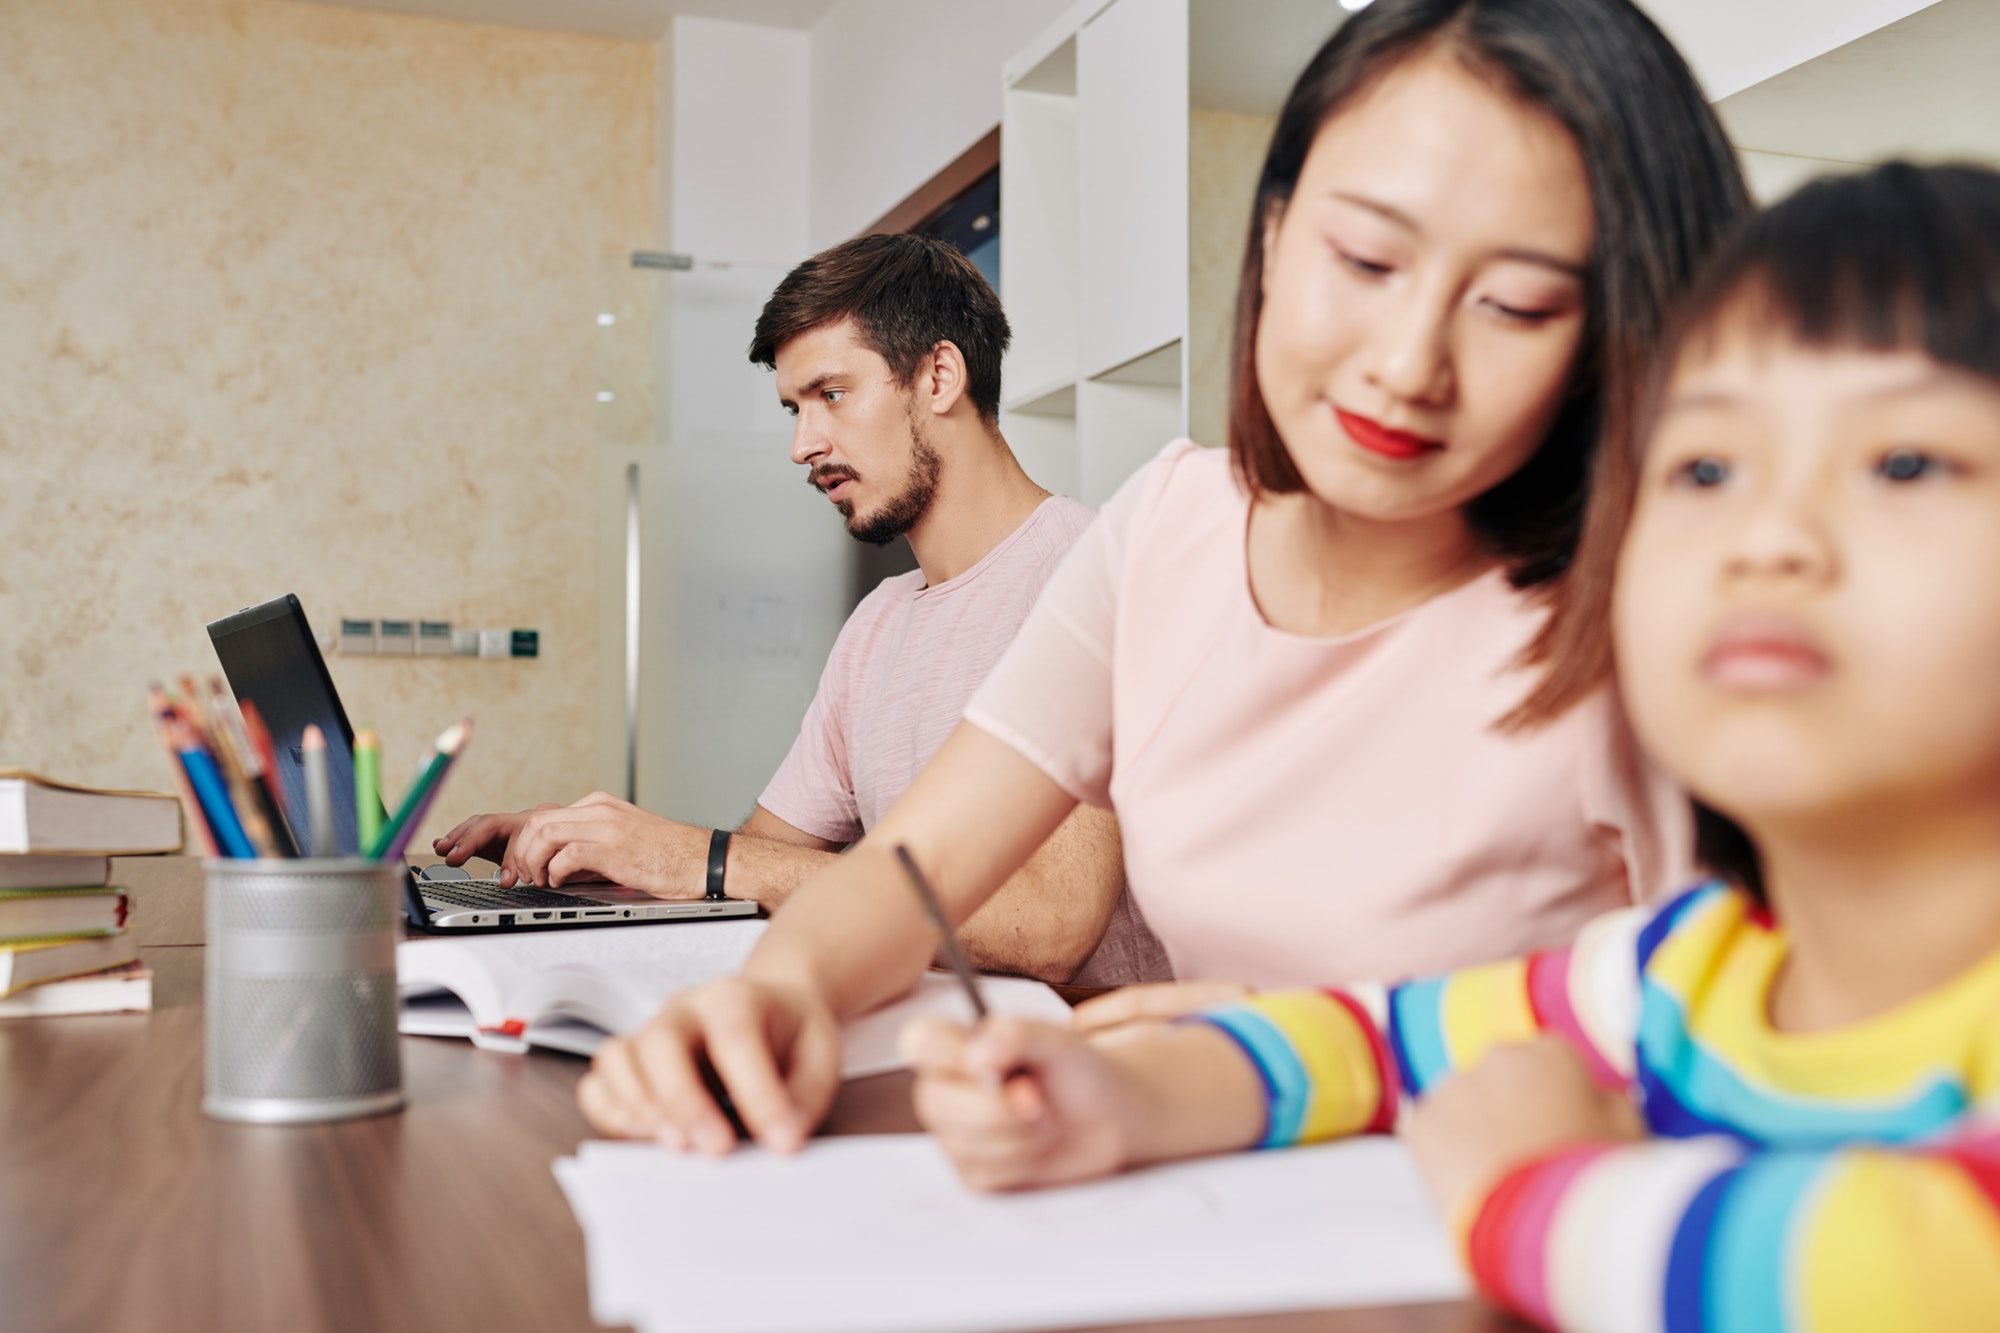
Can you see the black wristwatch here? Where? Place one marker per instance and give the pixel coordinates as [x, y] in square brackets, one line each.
[718, 863]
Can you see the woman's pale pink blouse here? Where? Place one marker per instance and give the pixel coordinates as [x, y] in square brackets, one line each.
[1316, 811]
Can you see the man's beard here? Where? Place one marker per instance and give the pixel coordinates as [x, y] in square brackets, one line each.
[902, 510]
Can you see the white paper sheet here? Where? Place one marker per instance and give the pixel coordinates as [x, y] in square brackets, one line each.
[874, 1234]
[868, 1044]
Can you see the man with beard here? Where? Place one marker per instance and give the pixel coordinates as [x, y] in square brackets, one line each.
[887, 351]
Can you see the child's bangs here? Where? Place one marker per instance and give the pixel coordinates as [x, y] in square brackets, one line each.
[1896, 259]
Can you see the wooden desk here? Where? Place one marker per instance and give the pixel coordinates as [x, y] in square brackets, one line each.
[123, 1207]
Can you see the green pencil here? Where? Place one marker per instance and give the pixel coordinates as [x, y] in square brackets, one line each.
[393, 838]
[367, 788]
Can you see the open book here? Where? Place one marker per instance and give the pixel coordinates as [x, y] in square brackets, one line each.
[565, 990]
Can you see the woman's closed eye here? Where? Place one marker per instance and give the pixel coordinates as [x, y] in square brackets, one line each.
[1362, 264]
[1530, 315]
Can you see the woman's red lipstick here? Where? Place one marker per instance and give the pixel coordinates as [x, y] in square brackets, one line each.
[1377, 438]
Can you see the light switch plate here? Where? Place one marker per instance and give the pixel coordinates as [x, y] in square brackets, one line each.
[357, 638]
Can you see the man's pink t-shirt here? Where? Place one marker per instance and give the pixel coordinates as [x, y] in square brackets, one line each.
[897, 682]
[900, 673]
[1316, 811]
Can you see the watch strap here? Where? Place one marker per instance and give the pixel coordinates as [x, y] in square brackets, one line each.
[718, 863]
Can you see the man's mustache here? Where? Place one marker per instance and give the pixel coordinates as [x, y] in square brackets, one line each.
[825, 478]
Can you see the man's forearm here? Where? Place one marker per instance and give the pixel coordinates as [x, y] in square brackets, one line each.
[766, 871]
[1047, 920]
[1023, 931]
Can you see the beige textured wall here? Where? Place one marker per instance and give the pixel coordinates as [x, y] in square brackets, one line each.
[300, 299]
[1225, 153]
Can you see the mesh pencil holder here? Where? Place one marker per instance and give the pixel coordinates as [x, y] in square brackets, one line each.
[301, 990]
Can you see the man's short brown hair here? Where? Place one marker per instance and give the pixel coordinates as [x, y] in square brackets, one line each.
[905, 294]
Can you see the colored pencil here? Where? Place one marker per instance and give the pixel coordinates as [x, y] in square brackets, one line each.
[162, 710]
[239, 770]
[212, 792]
[367, 787]
[270, 789]
[319, 794]
[393, 839]
[188, 705]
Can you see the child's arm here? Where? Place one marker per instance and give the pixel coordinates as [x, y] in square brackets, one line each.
[1704, 1233]
[1272, 1070]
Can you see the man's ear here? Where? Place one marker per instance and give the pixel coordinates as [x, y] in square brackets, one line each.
[942, 379]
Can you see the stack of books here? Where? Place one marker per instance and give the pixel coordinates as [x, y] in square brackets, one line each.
[66, 946]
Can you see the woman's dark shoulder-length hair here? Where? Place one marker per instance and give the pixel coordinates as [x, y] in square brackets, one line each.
[1898, 258]
[1663, 179]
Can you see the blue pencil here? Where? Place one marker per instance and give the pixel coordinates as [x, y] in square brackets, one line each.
[206, 779]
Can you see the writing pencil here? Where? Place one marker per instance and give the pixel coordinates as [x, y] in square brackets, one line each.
[954, 952]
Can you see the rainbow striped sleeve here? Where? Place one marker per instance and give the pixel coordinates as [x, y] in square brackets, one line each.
[1587, 994]
[1320, 1055]
[1707, 1236]
[1337, 1063]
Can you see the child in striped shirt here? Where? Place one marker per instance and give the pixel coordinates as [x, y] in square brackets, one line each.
[1774, 1101]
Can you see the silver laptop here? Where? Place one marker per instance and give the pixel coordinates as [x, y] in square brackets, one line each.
[452, 899]
[271, 658]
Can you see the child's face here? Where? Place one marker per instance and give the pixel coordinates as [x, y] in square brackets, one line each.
[1808, 606]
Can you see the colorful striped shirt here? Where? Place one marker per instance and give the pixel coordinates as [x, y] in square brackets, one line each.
[1846, 1179]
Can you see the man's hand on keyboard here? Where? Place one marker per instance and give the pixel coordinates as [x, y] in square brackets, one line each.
[484, 836]
[604, 838]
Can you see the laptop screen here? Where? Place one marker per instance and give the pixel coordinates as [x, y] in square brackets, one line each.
[271, 659]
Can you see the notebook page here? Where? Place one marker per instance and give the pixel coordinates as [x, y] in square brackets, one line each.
[671, 954]
[876, 1233]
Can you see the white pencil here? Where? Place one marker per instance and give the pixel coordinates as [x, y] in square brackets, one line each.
[319, 796]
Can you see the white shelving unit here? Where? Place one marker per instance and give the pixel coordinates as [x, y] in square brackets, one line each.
[1131, 138]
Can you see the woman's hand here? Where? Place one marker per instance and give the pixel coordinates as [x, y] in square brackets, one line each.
[776, 1049]
[1017, 1105]
[1519, 1103]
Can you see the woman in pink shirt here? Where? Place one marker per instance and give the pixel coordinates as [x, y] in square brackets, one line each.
[1303, 672]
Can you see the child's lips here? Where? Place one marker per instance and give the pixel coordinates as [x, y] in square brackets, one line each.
[1759, 651]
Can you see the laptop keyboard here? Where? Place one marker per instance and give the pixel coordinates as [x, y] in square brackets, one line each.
[489, 894]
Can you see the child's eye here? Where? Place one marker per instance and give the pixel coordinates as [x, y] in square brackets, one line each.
[1909, 465]
[1703, 472]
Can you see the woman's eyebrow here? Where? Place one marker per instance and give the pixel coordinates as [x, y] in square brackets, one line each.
[1543, 259]
[1387, 211]
[1518, 254]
